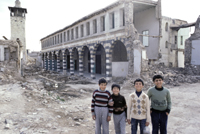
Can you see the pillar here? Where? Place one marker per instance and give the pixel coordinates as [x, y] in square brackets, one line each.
[52, 62]
[58, 62]
[92, 63]
[108, 64]
[64, 62]
[71, 63]
[48, 55]
[80, 53]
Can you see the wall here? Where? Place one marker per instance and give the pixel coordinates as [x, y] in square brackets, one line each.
[181, 59]
[137, 62]
[1, 53]
[146, 20]
[185, 33]
[195, 56]
[119, 69]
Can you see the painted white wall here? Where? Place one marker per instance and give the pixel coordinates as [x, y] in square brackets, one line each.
[146, 20]
[119, 69]
[137, 61]
[181, 59]
[185, 33]
[195, 60]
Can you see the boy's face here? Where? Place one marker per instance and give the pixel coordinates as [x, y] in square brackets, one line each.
[158, 83]
[102, 86]
[138, 86]
[115, 90]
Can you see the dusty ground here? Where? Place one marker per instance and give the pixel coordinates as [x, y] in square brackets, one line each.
[31, 109]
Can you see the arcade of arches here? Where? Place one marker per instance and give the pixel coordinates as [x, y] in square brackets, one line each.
[94, 59]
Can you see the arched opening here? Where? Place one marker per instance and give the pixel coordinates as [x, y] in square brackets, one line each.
[55, 62]
[46, 61]
[43, 62]
[61, 60]
[100, 61]
[76, 59]
[67, 58]
[119, 60]
[50, 60]
[86, 60]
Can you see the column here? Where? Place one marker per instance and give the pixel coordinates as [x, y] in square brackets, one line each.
[48, 55]
[52, 62]
[71, 62]
[80, 53]
[58, 62]
[108, 64]
[45, 62]
[64, 62]
[92, 63]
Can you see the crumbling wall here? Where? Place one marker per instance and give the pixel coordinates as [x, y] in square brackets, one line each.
[190, 68]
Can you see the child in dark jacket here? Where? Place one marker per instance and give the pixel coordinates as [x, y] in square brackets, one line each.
[119, 110]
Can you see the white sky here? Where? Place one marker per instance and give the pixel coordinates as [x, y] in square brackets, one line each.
[47, 16]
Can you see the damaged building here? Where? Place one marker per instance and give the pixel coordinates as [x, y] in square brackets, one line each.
[108, 41]
[192, 49]
[10, 55]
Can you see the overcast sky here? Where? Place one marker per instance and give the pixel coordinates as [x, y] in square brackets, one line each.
[47, 16]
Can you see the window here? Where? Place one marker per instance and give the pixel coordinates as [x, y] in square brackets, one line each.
[82, 31]
[68, 35]
[72, 34]
[145, 39]
[61, 38]
[166, 45]
[88, 28]
[122, 17]
[181, 40]
[102, 23]
[58, 39]
[55, 40]
[64, 36]
[76, 32]
[112, 20]
[166, 27]
[94, 26]
[199, 24]
[175, 40]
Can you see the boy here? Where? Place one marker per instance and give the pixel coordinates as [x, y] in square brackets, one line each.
[119, 110]
[138, 108]
[101, 111]
[160, 105]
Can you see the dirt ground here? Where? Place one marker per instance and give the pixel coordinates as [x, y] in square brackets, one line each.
[28, 108]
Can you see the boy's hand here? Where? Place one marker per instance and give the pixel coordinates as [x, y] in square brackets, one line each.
[111, 103]
[147, 124]
[129, 121]
[108, 118]
[167, 113]
[93, 117]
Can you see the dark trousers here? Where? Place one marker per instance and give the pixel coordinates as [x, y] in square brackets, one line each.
[134, 125]
[159, 121]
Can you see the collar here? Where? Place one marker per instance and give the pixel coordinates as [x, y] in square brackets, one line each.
[159, 89]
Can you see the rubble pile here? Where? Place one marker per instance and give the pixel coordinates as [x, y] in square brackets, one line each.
[172, 76]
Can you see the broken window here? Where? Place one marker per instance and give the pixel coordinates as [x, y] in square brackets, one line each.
[64, 36]
[102, 23]
[68, 35]
[166, 27]
[77, 32]
[82, 31]
[181, 40]
[61, 38]
[72, 34]
[175, 40]
[122, 17]
[112, 20]
[88, 28]
[94, 26]
[145, 38]
[166, 45]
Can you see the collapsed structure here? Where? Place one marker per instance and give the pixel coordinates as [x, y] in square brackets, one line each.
[116, 41]
[192, 48]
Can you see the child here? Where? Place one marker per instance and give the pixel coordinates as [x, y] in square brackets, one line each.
[101, 111]
[138, 108]
[119, 110]
[160, 105]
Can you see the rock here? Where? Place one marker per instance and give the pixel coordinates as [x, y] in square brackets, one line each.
[7, 126]
[77, 123]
